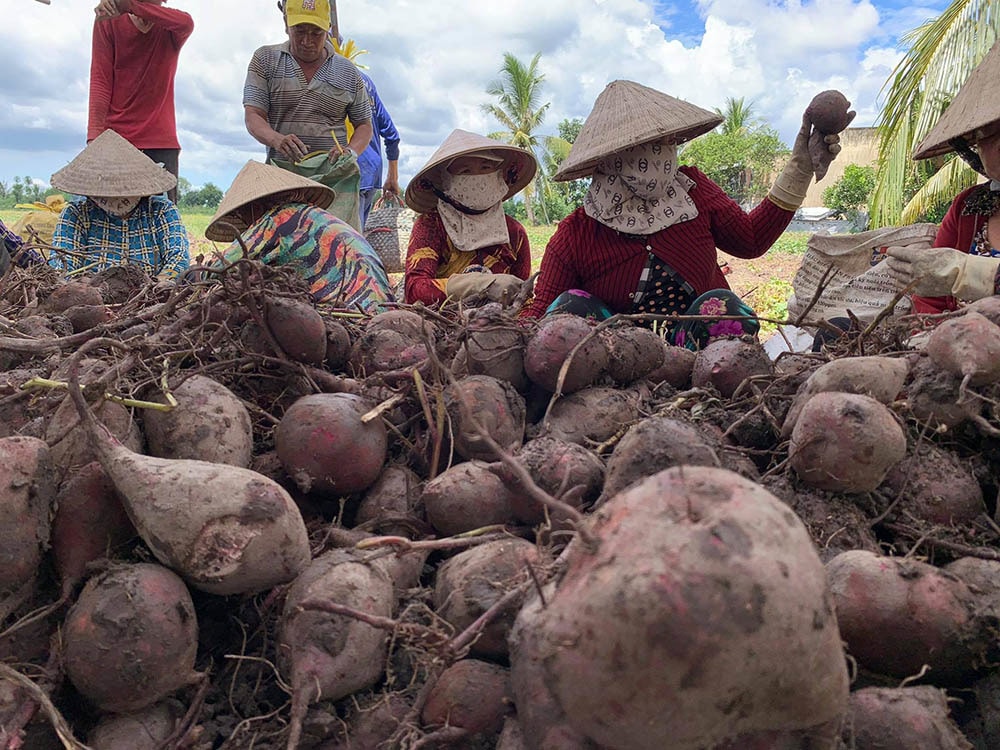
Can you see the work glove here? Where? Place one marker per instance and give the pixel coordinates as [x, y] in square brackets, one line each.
[498, 287]
[811, 150]
[943, 271]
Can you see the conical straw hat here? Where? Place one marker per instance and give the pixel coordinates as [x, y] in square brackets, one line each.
[975, 106]
[627, 114]
[255, 181]
[111, 167]
[519, 166]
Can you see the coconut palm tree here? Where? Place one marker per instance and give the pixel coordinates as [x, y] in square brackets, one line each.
[738, 116]
[518, 92]
[942, 53]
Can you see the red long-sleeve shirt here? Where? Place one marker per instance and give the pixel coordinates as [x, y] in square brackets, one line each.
[585, 254]
[956, 231]
[432, 257]
[132, 76]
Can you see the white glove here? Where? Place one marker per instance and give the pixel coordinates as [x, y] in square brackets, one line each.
[943, 271]
[498, 287]
[811, 150]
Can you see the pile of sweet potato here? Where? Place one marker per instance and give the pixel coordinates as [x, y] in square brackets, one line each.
[233, 519]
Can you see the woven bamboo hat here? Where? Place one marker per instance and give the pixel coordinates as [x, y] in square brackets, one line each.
[975, 106]
[518, 167]
[256, 181]
[625, 115]
[111, 167]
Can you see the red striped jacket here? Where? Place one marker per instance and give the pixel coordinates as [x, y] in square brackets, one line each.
[585, 254]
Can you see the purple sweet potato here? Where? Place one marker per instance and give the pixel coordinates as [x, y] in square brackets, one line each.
[209, 423]
[704, 592]
[553, 343]
[474, 580]
[933, 485]
[325, 447]
[131, 638]
[338, 345]
[591, 415]
[72, 446]
[384, 350]
[70, 294]
[557, 467]
[466, 496]
[845, 442]
[391, 505]
[494, 345]
[327, 656]
[968, 345]
[903, 718]
[654, 444]
[935, 396]
[297, 328]
[829, 112]
[896, 616]
[27, 499]
[469, 695]
[90, 522]
[678, 364]
[727, 363]
[142, 730]
[495, 405]
[633, 352]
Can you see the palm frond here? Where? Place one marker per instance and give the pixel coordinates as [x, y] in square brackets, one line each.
[942, 187]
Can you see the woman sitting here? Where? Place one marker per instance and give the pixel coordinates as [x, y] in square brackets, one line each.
[122, 216]
[277, 215]
[645, 239]
[462, 244]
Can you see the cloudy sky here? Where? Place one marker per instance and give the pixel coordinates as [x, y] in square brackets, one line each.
[432, 61]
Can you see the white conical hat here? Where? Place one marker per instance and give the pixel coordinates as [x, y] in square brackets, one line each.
[111, 167]
[627, 114]
[255, 181]
[518, 168]
[974, 106]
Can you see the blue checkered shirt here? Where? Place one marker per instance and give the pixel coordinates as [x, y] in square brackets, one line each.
[153, 236]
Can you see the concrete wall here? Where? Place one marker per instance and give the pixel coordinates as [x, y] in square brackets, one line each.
[859, 146]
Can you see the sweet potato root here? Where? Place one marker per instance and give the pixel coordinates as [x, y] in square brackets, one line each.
[933, 485]
[131, 638]
[495, 405]
[142, 730]
[593, 414]
[466, 496]
[633, 352]
[325, 447]
[472, 581]
[902, 719]
[391, 505]
[686, 609]
[727, 363]
[209, 423]
[494, 345]
[470, 695]
[896, 616]
[845, 442]
[968, 345]
[297, 328]
[549, 347]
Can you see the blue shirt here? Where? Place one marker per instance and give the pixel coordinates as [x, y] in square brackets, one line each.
[370, 161]
[153, 236]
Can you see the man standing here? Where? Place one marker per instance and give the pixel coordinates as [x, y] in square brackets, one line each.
[298, 94]
[370, 161]
[136, 45]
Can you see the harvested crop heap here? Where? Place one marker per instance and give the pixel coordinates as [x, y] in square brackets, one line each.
[232, 519]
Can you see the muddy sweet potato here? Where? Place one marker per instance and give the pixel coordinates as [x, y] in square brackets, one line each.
[968, 345]
[71, 294]
[931, 484]
[495, 405]
[726, 363]
[209, 423]
[27, 500]
[72, 446]
[131, 638]
[327, 656]
[704, 592]
[845, 442]
[934, 396]
[902, 718]
[494, 345]
[470, 695]
[633, 352]
[897, 616]
[474, 580]
[90, 523]
[552, 344]
[141, 730]
[466, 496]
[829, 112]
[391, 505]
[325, 447]
[297, 328]
[676, 369]
[591, 415]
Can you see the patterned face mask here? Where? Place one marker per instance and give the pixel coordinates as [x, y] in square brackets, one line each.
[483, 193]
[120, 207]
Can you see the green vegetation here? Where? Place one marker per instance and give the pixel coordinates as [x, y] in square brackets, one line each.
[792, 243]
[849, 195]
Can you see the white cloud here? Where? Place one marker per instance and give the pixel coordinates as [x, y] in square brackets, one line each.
[433, 60]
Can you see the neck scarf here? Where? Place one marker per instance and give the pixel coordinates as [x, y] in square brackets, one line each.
[640, 191]
[120, 207]
[480, 192]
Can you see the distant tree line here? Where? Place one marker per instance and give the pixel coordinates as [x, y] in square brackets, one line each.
[23, 190]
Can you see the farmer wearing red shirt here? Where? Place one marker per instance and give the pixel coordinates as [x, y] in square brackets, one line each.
[645, 239]
[964, 264]
[136, 45]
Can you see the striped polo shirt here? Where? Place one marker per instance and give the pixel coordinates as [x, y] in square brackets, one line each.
[275, 84]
